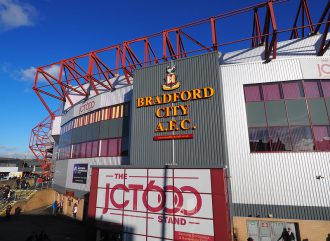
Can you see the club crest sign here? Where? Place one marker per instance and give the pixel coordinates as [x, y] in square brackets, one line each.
[170, 81]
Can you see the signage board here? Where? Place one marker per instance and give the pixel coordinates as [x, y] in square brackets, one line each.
[176, 108]
[315, 68]
[80, 173]
[158, 204]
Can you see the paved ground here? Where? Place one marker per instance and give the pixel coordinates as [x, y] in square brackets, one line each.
[59, 228]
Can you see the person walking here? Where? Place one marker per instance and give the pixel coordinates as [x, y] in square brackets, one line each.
[291, 236]
[18, 182]
[61, 206]
[284, 235]
[54, 206]
[8, 210]
[35, 178]
[74, 210]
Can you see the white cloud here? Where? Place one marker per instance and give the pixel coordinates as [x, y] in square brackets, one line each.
[13, 152]
[15, 14]
[53, 70]
[28, 74]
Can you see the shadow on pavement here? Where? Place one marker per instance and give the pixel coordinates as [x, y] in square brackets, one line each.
[57, 228]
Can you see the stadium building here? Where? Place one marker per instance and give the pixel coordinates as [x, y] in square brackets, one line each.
[238, 141]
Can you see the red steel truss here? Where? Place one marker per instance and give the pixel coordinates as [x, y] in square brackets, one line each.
[41, 144]
[94, 71]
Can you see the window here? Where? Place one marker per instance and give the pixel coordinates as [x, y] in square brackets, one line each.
[288, 116]
[102, 132]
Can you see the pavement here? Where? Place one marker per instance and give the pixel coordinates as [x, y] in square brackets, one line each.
[57, 228]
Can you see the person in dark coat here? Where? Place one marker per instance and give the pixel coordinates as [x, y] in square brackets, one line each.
[284, 235]
[18, 182]
[291, 236]
[8, 210]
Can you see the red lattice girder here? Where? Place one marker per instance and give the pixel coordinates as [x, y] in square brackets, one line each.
[94, 71]
[41, 144]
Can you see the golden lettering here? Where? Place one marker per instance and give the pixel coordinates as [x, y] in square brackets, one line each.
[140, 102]
[183, 98]
[149, 101]
[184, 109]
[197, 94]
[208, 92]
[159, 114]
[159, 127]
[176, 96]
[183, 126]
[157, 101]
[171, 125]
[165, 101]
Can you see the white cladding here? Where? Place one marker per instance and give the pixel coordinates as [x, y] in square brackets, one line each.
[117, 82]
[56, 126]
[270, 178]
[120, 95]
[64, 170]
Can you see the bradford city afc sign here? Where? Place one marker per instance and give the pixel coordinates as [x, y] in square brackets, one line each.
[170, 81]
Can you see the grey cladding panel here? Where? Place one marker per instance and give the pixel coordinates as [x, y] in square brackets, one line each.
[206, 146]
[281, 211]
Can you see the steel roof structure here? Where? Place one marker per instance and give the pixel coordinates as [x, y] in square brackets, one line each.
[94, 70]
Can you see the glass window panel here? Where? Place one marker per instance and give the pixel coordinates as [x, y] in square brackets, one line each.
[104, 147]
[252, 93]
[312, 89]
[322, 138]
[95, 149]
[297, 112]
[280, 139]
[271, 91]
[276, 114]
[292, 90]
[301, 138]
[327, 103]
[256, 114]
[83, 150]
[318, 112]
[78, 147]
[89, 146]
[113, 147]
[259, 140]
[325, 88]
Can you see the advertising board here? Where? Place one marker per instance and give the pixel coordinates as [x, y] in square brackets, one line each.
[158, 204]
[80, 173]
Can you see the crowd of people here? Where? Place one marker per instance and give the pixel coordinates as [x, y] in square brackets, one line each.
[6, 193]
[287, 235]
[57, 208]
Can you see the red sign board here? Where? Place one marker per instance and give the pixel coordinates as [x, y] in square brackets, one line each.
[157, 204]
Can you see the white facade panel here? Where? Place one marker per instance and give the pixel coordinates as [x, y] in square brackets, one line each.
[56, 126]
[296, 48]
[268, 178]
[120, 95]
[60, 172]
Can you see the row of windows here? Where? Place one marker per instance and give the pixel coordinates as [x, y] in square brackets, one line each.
[293, 138]
[288, 116]
[108, 113]
[287, 90]
[100, 148]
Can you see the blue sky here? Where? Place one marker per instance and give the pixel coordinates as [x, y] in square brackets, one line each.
[39, 32]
